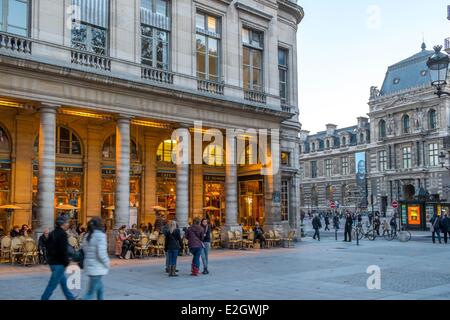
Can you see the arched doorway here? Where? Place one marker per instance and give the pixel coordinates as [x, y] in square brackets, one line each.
[109, 181]
[5, 176]
[214, 184]
[69, 174]
[166, 177]
[408, 192]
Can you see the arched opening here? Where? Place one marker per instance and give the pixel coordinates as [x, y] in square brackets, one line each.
[69, 175]
[329, 194]
[213, 155]
[361, 138]
[109, 180]
[214, 184]
[405, 124]
[166, 177]
[432, 119]
[314, 197]
[344, 191]
[5, 177]
[344, 141]
[382, 129]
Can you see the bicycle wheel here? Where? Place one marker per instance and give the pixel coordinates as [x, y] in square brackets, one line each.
[371, 235]
[404, 236]
[389, 236]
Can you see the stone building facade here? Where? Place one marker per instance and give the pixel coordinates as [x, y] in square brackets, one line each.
[92, 90]
[328, 167]
[409, 125]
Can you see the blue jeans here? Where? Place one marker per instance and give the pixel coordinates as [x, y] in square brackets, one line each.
[58, 277]
[196, 252]
[205, 254]
[172, 255]
[95, 287]
[167, 259]
[438, 233]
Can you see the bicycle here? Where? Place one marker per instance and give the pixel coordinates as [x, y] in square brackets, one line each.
[402, 235]
[359, 231]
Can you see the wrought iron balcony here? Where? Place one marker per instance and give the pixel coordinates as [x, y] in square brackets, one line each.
[91, 60]
[210, 86]
[157, 75]
[15, 43]
[255, 96]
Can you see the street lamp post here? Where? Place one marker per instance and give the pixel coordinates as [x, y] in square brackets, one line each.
[438, 65]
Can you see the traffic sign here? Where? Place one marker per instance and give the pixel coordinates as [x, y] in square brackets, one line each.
[332, 205]
[395, 204]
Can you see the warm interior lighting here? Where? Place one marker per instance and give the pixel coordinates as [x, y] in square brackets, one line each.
[151, 124]
[5, 103]
[85, 114]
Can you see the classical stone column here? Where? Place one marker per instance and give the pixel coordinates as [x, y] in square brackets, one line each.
[46, 178]
[122, 207]
[182, 163]
[93, 173]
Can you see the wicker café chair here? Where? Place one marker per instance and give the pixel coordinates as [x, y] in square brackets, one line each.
[73, 241]
[160, 244]
[142, 247]
[250, 241]
[6, 248]
[289, 239]
[215, 239]
[239, 238]
[232, 241]
[29, 251]
[16, 249]
[277, 238]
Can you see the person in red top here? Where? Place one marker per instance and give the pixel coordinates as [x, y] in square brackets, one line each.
[195, 235]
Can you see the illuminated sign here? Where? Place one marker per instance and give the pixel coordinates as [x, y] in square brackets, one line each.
[414, 215]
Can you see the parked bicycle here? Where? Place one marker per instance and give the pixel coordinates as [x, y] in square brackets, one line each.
[402, 235]
[359, 232]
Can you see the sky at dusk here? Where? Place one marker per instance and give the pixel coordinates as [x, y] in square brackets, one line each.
[345, 47]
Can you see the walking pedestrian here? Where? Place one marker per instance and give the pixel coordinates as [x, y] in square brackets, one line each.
[96, 260]
[446, 227]
[58, 259]
[206, 245]
[172, 246]
[393, 224]
[316, 226]
[42, 245]
[348, 228]
[327, 223]
[194, 235]
[377, 224]
[435, 228]
[336, 221]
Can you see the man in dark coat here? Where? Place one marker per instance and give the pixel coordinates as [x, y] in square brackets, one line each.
[42, 244]
[446, 227]
[327, 223]
[436, 228]
[348, 228]
[316, 226]
[58, 259]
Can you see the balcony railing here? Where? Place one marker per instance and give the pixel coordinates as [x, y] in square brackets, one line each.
[286, 108]
[255, 96]
[15, 43]
[157, 75]
[210, 86]
[91, 60]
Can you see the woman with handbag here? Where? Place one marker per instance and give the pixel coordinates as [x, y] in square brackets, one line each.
[96, 260]
[194, 235]
[121, 237]
[172, 246]
[206, 244]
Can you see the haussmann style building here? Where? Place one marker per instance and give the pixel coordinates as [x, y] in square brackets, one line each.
[92, 90]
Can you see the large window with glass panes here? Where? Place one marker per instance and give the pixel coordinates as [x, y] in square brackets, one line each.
[208, 47]
[253, 48]
[284, 200]
[283, 74]
[155, 33]
[14, 16]
[90, 26]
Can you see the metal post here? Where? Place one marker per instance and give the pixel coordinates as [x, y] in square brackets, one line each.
[357, 234]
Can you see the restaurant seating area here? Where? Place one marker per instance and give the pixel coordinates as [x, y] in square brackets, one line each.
[272, 239]
[19, 250]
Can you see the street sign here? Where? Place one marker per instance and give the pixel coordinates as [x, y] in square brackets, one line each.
[395, 204]
[332, 205]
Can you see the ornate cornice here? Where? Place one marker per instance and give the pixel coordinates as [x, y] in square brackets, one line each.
[253, 11]
[292, 8]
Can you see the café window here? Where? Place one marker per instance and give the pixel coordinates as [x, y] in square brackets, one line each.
[213, 155]
[4, 141]
[14, 16]
[285, 158]
[109, 149]
[90, 26]
[253, 47]
[166, 150]
[208, 47]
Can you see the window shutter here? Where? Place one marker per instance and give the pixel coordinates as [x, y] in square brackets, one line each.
[93, 12]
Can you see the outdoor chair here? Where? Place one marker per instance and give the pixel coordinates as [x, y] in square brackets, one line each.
[268, 236]
[250, 241]
[142, 247]
[159, 246]
[232, 241]
[5, 248]
[238, 237]
[215, 239]
[277, 238]
[16, 249]
[29, 251]
[289, 239]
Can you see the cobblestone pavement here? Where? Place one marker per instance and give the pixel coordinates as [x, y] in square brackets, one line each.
[313, 270]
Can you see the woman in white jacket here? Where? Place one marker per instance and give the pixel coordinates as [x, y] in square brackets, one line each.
[96, 260]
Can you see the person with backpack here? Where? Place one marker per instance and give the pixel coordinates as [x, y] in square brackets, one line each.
[206, 244]
[96, 261]
[446, 227]
[172, 246]
[316, 226]
[327, 223]
[58, 259]
[435, 228]
[195, 236]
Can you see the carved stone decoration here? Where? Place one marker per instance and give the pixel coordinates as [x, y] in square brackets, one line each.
[390, 125]
[374, 92]
[418, 119]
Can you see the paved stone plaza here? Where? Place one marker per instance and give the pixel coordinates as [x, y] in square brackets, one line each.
[313, 270]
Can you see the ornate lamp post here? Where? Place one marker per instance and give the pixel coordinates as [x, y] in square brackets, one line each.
[438, 65]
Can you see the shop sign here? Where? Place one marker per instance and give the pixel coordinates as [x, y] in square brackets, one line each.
[214, 178]
[108, 171]
[414, 215]
[404, 214]
[166, 175]
[69, 169]
[6, 166]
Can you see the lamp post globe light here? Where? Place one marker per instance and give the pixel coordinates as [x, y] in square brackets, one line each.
[438, 65]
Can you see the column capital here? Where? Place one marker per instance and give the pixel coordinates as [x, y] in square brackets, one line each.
[123, 118]
[48, 107]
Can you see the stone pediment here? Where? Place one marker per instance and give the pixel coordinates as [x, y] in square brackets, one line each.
[402, 101]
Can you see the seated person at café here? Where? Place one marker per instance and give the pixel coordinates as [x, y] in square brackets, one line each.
[149, 228]
[160, 222]
[24, 230]
[2, 232]
[259, 234]
[42, 244]
[15, 232]
[135, 232]
[121, 237]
